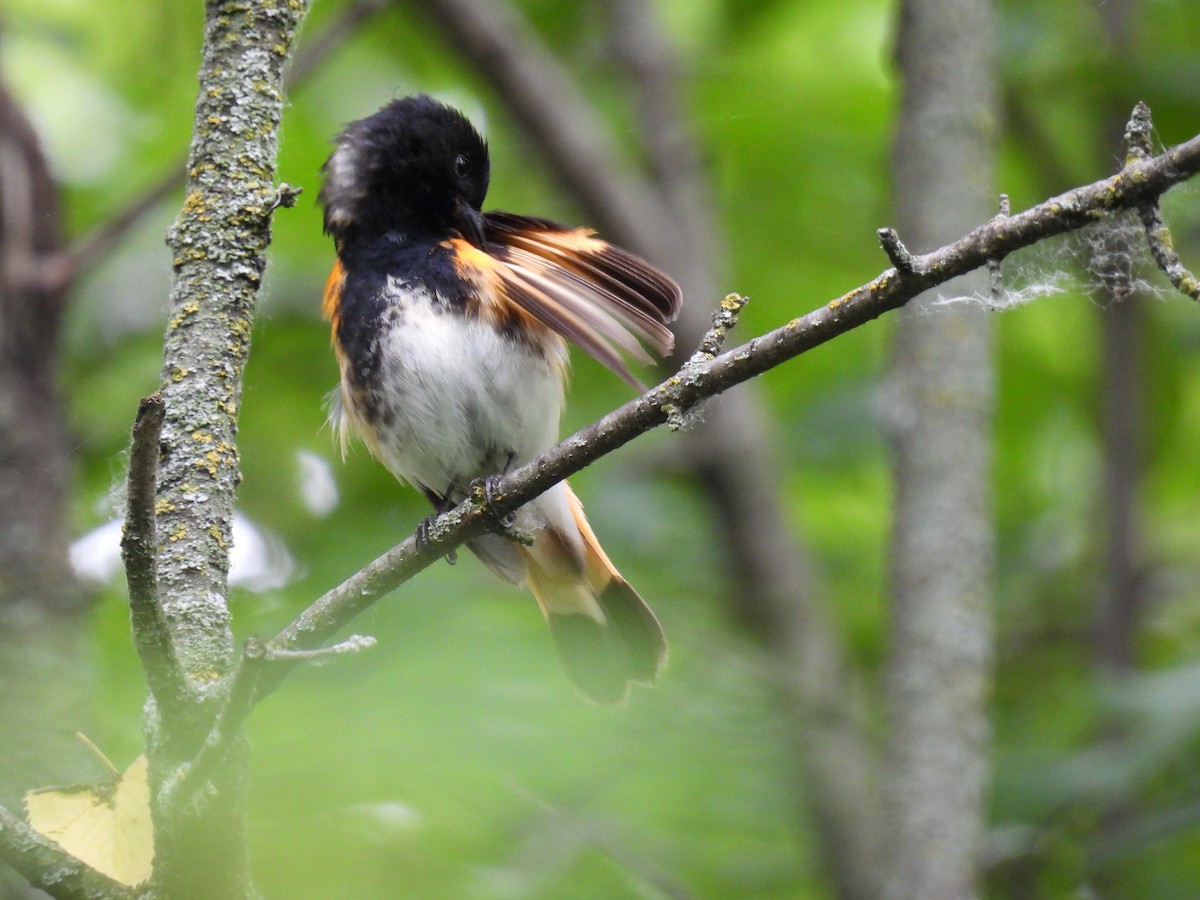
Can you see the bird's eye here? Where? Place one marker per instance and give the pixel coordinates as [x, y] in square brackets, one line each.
[461, 165]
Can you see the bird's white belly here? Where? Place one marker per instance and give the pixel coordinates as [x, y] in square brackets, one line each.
[460, 400]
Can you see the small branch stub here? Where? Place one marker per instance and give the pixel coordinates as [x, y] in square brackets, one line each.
[900, 256]
[356, 643]
[1162, 248]
[724, 320]
[285, 196]
[1137, 134]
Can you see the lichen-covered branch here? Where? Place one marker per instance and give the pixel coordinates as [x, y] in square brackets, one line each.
[219, 247]
[151, 634]
[219, 244]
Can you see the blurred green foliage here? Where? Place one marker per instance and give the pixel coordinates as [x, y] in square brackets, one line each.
[453, 759]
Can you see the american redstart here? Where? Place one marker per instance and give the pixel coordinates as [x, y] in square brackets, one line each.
[450, 327]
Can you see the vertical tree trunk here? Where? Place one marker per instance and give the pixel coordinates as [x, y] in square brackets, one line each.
[43, 660]
[1119, 601]
[941, 391]
[219, 244]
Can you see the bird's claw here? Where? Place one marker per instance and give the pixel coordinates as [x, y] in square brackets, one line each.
[487, 490]
[423, 539]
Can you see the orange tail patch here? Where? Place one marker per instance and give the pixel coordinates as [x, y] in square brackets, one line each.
[605, 634]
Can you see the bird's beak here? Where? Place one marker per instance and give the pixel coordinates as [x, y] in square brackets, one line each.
[470, 222]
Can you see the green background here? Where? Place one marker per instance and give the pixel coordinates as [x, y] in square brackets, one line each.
[453, 759]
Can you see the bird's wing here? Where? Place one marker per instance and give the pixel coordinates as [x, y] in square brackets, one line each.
[594, 294]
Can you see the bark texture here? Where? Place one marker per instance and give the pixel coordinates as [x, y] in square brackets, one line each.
[219, 244]
[940, 405]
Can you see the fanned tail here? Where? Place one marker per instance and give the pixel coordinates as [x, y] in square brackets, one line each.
[605, 634]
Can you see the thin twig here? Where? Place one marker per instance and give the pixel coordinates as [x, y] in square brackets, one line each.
[1162, 248]
[900, 255]
[1158, 235]
[724, 320]
[151, 633]
[889, 291]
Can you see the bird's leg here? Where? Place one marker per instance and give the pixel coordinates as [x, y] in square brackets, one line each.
[441, 504]
[487, 489]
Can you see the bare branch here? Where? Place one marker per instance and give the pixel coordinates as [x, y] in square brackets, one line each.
[151, 633]
[1162, 248]
[900, 255]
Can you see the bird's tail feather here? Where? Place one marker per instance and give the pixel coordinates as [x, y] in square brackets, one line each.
[605, 634]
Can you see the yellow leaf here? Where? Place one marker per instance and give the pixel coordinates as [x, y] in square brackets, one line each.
[106, 825]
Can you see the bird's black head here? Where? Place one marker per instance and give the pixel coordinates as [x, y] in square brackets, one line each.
[417, 167]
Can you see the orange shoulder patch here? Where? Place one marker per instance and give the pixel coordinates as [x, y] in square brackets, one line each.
[332, 298]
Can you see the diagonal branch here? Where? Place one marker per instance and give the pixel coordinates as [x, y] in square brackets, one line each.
[1140, 182]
